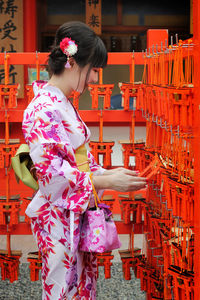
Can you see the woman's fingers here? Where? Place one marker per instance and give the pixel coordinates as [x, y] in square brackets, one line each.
[122, 170]
[136, 178]
[139, 179]
[131, 172]
[137, 186]
[134, 174]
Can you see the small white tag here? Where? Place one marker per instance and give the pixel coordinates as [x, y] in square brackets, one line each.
[161, 186]
[132, 160]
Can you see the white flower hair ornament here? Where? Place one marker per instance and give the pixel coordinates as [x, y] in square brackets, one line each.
[69, 48]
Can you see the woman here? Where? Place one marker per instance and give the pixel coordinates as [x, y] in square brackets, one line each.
[54, 131]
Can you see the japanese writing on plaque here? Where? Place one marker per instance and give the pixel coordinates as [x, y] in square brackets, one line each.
[93, 2]
[93, 15]
[11, 36]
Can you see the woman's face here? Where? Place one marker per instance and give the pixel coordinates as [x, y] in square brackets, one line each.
[84, 78]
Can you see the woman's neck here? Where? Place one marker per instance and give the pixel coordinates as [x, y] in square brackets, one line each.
[60, 82]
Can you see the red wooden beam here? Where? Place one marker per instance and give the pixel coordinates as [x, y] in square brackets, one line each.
[29, 58]
[110, 116]
[24, 58]
[21, 228]
[127, 228]
[91, 117]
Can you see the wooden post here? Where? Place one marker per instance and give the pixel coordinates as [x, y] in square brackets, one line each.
[100, 76]
[119, 12]
[101, 127]
[132, 70]
[30, 25]
[196, 40]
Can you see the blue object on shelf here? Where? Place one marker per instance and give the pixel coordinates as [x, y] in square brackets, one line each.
[116, 102]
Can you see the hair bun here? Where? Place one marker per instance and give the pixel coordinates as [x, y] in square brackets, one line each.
[57, 59]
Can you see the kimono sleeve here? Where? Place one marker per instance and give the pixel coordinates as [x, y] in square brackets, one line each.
[94, 167]
[60, 181]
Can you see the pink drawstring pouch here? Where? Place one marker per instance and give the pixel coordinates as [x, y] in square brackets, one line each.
[98, 231]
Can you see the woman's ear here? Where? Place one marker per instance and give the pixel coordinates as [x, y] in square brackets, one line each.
[71, 61]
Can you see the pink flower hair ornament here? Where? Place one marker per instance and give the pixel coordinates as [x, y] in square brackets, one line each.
[69, 48]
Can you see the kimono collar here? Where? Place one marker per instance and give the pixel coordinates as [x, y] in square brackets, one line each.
[41, 86]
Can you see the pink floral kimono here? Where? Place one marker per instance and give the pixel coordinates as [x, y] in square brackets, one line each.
[53, 130]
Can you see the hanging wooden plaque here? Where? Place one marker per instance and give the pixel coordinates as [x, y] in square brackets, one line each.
[93, 15]
[11, 38]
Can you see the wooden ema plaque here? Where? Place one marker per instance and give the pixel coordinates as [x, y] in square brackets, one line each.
[11, 40]
[93, 15]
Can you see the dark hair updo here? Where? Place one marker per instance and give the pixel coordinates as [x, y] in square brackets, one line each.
[91, 49]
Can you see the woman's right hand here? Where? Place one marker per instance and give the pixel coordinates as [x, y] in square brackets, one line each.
[123, 180]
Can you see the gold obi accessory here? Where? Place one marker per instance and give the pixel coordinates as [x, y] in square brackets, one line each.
[22, 165]
[82, 159]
